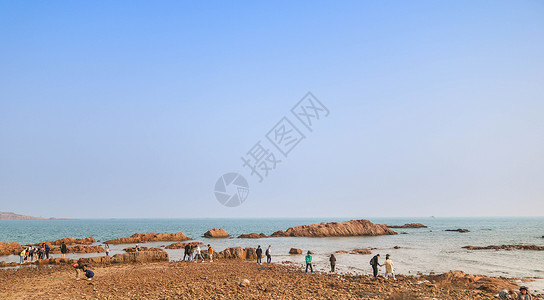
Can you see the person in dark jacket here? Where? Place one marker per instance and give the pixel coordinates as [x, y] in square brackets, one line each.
[268, 254]
[332, 259]
[259, 252]
[63, 250]
[47, 249]
[374, 263]
[187, 251]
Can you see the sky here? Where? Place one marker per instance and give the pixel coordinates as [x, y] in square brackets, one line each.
[135, 109]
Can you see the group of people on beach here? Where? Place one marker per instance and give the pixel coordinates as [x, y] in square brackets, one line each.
[193, 253]
[268, 253]
[33, 253]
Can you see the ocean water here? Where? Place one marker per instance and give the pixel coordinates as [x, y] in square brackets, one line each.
[422, 250]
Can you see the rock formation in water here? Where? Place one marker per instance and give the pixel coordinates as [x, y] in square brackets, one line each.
[409, 225]
[507, 247]
[253, 235]
[150, 237]
[348, 228]
[216, 233]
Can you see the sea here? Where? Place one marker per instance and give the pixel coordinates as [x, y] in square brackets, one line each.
[421, 250]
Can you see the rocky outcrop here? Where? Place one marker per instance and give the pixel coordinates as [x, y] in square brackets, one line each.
[348, 228]
[133, 249]
[133, 257]
[458, 230]
[507, 247]
[10, 248]
[409, 225]
[253, 236]
[216, 233]
[182, 245]
[150, 237]
[361, 251]
[79, 249]
[71, 241]
[295, 251]
[462, 280]
[236, 253]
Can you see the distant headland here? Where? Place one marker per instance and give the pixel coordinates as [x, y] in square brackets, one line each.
[13, 217]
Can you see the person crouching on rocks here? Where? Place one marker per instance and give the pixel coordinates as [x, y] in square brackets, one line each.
[79, 267]
[309, 262]
[374, 263]
[88, 273]
[389, 271]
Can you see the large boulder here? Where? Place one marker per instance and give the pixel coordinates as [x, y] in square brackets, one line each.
[295, 251]
[348, 228]
[216, 233]
[237, 253]
[461, 230]
[10, 248]
[150, 237]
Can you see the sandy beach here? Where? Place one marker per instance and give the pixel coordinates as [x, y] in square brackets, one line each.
[224, 280]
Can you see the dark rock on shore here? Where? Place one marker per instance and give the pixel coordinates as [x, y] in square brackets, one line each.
[295, 251]
[458, 230]
[348, 228]
[507, 247]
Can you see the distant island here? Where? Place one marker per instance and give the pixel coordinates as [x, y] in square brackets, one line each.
[13, 216]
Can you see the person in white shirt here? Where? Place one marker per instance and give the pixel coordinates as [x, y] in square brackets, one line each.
[389, 271]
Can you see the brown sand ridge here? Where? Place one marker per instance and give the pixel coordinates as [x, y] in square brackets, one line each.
[222, 280]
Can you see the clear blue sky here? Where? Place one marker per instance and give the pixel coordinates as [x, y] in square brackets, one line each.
[135, 108]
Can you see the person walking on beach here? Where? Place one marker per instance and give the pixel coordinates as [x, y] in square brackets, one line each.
[107, 248]
[332, 259]
[259, 253]
[309, 262]
[198, 254]
[524, 294]
[268, 254]
[63, 250]
[210, 252]
[389, 271]
[374, 263]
